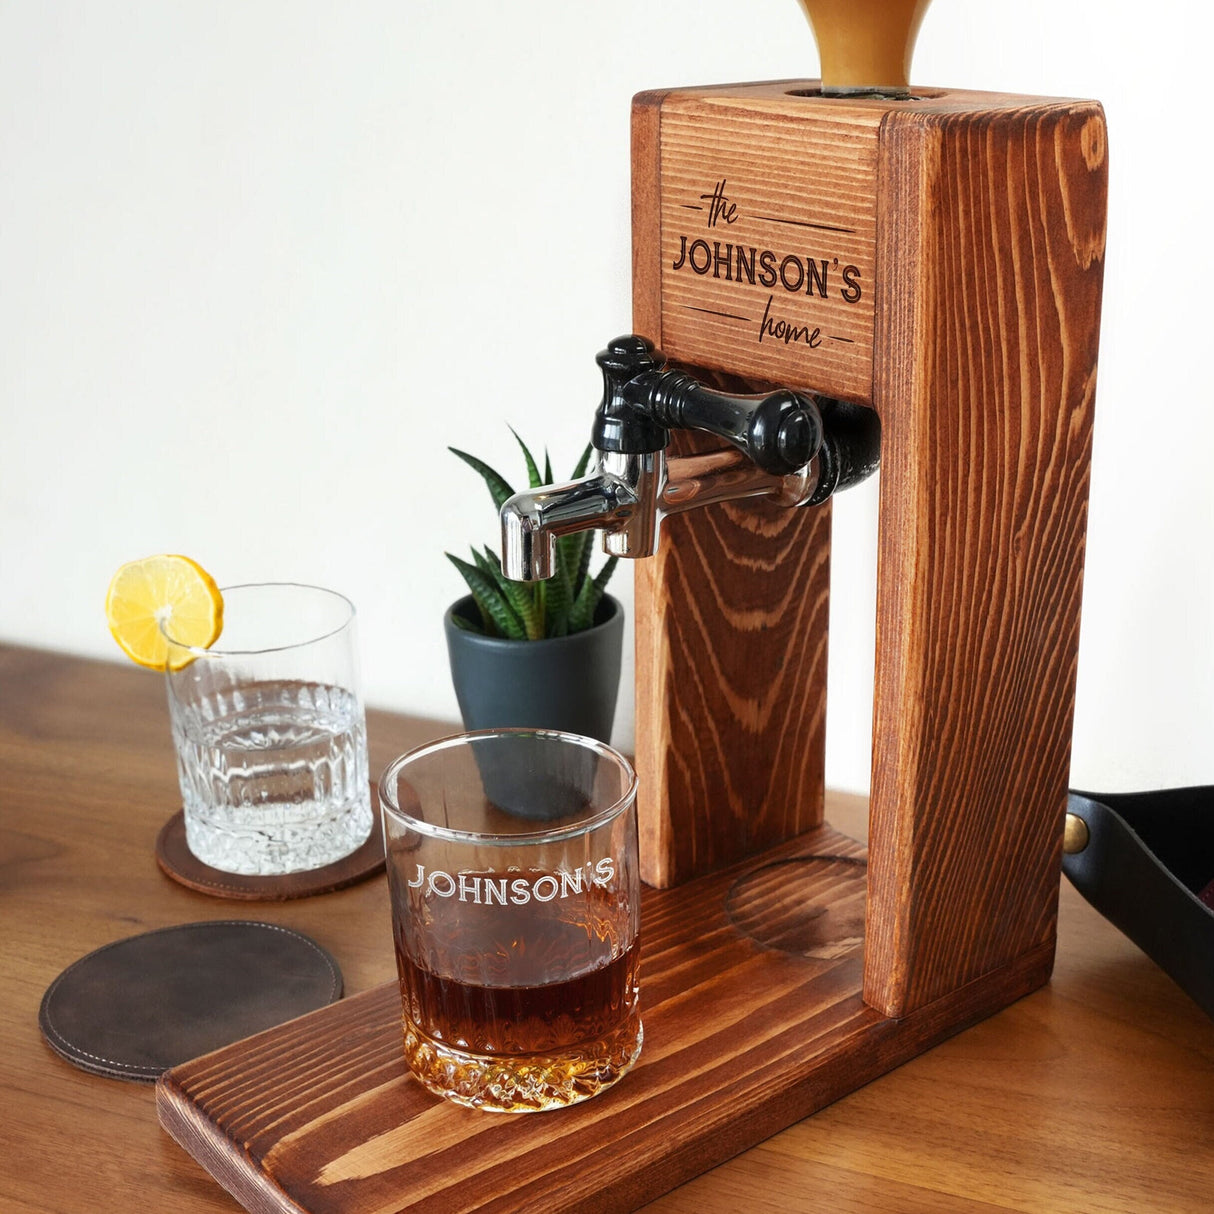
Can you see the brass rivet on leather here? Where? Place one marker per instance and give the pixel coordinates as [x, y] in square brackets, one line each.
[1075, 836]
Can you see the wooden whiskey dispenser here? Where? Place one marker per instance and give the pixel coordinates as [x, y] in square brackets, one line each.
[932, 261]
[937, 259]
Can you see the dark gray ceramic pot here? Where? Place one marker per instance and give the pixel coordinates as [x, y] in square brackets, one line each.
[565, 683]
[568, 683]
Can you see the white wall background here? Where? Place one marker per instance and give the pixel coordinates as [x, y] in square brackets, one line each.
[261, 262]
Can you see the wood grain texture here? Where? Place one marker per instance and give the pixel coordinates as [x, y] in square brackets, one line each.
[990, 261]
[740, 1039]
[731, 618]
[1096, 1093]
[801, 199]
[87, 778]
[324, 1110]
[646, 202]
[731, 684]
[801, 174]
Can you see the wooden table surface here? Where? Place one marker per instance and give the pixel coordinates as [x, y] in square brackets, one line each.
[1093, 1094]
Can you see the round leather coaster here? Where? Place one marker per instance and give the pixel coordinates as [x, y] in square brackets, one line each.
[177, 861]
[135, 1008]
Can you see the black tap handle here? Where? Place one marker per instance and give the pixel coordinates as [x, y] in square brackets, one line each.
[621, 424]
[643, 400]
[780, 431]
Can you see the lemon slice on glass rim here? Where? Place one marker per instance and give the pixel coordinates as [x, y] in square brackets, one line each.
[158, 591]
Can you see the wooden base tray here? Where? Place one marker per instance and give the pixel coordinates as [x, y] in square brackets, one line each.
[751, 982]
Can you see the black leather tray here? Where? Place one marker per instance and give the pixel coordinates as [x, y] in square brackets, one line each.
[1148, 867]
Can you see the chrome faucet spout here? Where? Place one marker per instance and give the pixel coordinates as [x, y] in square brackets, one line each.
[533, 520]
[790, 447]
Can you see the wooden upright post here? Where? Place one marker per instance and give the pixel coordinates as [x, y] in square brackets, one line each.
[989, 261]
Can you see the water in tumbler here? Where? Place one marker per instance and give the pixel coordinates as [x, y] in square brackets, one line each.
[273, 776]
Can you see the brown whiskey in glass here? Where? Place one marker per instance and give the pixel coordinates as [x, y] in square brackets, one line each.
[565, 1026]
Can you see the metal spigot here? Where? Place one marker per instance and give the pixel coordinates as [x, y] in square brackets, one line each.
[620, 500]
[785, 445]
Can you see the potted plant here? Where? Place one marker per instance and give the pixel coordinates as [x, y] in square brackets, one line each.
[545, 654]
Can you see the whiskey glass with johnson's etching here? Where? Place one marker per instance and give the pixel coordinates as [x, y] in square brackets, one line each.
[270, 733]
[512, 865]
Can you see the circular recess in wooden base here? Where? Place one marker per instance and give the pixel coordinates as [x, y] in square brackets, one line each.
[178, 862]
[812, 906]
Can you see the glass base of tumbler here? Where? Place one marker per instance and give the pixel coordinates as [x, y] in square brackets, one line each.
[523, 1083]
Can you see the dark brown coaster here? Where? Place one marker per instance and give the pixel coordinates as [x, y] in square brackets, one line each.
[135, 1008]
[177, 861]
